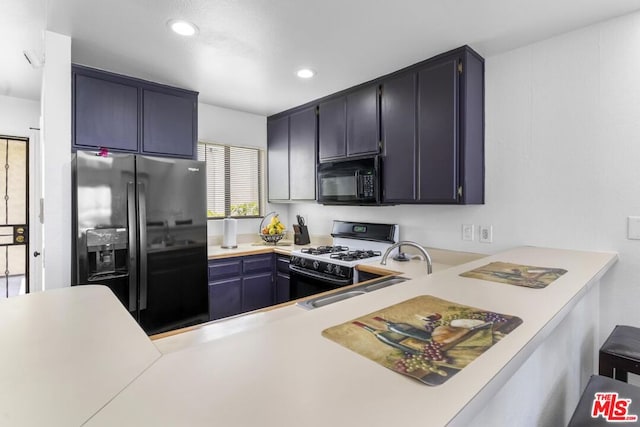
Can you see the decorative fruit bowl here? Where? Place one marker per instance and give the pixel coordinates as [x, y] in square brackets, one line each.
[272, 232]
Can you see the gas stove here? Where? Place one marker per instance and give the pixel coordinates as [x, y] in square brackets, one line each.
[321, 268]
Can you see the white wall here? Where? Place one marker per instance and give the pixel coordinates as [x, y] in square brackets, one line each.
[56, 151]
[225, 126]
[18, 115]
[562, 138]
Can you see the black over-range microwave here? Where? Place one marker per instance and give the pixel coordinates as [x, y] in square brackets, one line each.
[349, 182]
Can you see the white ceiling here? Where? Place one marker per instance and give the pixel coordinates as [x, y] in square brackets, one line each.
[247, 51]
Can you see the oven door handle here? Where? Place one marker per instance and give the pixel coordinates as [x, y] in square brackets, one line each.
[328, 279]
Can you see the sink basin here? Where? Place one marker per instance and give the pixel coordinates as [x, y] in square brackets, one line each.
[383, 283]
[329, 299]
[340, 295]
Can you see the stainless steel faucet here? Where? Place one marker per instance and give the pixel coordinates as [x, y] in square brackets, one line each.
[399, 245]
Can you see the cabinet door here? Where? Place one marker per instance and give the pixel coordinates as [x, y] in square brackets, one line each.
[282, 287]
[362, 122]
[278, 158]
[302, 155]
[332, 129]
[225, 298]
[438, 94]
[105, 113]
[257, 291]
[399, 139]
[169, 124]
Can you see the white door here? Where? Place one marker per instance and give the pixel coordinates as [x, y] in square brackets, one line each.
[36, 218]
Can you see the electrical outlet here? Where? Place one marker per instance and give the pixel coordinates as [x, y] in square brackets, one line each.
[467, 232]
[486, 233]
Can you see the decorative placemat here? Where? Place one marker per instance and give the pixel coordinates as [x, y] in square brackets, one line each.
[516, 274]
[427, 338]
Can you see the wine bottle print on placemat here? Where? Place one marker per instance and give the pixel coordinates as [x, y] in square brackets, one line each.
[427, 338]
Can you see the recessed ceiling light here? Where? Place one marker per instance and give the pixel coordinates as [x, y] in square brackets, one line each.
[183, 28]
[305, 73]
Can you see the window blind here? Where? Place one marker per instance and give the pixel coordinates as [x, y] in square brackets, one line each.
[234, 180]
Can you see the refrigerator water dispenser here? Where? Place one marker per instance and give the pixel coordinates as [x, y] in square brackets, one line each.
[107, 251]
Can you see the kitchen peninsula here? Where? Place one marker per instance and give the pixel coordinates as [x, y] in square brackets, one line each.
[285, 373]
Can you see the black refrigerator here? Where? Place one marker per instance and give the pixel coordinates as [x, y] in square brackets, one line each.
[140, 228]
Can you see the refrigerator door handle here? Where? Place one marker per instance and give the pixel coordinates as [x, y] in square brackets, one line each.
[142, 208]
[133, 249]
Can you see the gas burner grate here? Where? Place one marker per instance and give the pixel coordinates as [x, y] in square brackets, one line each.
[355, 255]
[321, 250]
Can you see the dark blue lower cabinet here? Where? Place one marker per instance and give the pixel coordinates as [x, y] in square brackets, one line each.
[225, 298]
[241, 284]
[257, 291]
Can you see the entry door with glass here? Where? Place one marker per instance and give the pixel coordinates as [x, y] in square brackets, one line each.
[14, 227]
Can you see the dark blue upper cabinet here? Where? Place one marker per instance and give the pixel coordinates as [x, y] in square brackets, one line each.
[98, 105]
[169, 125]
[332, 129]
[438, 98]
[126, 114]
[302, 155]
[399, 108]
[278, 158]
[292, 152]
[348, 126]
[362, 122]
[433, 131]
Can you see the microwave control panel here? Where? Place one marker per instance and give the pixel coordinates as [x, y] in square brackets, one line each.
[368, 186]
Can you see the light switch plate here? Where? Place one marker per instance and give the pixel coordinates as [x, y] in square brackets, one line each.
[467, 232]
[633, 227]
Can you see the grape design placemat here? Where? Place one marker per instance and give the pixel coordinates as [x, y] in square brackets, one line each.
[427, 338]
[516, 274]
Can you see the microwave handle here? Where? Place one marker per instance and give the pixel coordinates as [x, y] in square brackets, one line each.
[359, 189]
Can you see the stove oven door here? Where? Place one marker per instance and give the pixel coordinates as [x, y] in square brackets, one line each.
[306, 282]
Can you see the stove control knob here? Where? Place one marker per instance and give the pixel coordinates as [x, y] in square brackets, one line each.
[316, 264]
[303, 262]
[329, 268]
[337, 271]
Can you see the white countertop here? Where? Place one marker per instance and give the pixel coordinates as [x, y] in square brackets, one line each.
[285, 373]
[65, 353]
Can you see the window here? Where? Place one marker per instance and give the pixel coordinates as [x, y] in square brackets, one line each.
[234, 180]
